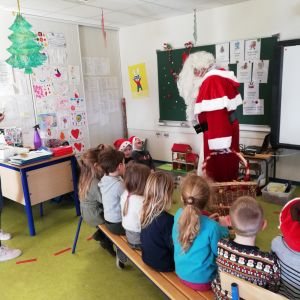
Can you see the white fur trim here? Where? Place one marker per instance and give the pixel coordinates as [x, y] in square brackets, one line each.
[124, 145]
[221, 73]
[219, 143]
[217, 104]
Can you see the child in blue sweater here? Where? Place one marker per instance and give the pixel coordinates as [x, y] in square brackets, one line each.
[196, 236]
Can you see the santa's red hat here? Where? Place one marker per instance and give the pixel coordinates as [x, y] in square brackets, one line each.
[290, 224]
[121, 144]
[132, 139]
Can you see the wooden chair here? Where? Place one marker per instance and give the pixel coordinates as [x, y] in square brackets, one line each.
[247, 290]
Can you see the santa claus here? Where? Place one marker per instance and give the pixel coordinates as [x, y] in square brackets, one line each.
[212, 96]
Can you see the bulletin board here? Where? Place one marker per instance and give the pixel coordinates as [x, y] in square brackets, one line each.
[172, 106]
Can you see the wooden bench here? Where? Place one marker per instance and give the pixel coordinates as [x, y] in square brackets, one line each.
[247, 290]
[168, 282]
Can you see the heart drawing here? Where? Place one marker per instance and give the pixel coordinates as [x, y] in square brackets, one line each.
[75, 133]
[78, 146]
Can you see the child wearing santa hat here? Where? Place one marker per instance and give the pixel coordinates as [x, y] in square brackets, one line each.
[124, 146]
[138, 154]
[287, 249]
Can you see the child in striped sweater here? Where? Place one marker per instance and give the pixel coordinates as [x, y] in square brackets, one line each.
[287, 249]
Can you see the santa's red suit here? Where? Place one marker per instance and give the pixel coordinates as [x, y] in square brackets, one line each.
[216, 102]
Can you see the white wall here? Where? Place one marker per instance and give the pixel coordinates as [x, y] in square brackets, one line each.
[257, 18]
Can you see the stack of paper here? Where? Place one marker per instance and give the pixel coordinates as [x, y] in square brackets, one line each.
[31, 157]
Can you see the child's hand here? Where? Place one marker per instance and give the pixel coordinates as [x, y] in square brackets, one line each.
[225, 221]
[214, 216]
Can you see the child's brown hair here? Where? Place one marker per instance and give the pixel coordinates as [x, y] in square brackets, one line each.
[135, 179]
[110, 159]
[158, 196]
[195, 194]
[246, 216]
[89, 170]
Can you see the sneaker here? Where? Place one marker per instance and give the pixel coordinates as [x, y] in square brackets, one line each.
[119, 264]
[7, 253]
[121, 256]
[4, 236]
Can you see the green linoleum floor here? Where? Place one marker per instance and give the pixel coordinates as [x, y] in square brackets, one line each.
[91, 272]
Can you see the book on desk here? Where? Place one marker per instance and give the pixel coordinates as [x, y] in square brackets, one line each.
[30, 157]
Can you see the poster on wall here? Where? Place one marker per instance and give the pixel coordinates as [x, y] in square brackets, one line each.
[252, 49]
[138, 81]
[222, 53]
[260, 71]
[236, 51]
[243, 71]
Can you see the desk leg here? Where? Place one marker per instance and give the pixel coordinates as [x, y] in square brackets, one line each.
[27, 202]
[74, 177]
[267, 171]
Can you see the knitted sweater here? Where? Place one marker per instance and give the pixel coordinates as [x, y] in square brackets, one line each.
[248, 263]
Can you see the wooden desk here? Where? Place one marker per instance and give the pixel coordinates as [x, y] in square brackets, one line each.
[38, 182]
[268, 158]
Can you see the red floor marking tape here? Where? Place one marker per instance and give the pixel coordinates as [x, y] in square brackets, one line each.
[89, 238]
[26, 261]
[62, 251]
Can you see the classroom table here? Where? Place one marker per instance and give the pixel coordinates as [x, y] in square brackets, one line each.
[267, 158]
[38, 182]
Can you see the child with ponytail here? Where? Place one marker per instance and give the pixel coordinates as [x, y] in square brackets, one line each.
[196, 236]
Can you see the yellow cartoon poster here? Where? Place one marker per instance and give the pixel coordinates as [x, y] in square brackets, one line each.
[138, 81]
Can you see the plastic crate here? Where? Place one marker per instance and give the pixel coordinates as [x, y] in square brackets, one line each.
[277, 198]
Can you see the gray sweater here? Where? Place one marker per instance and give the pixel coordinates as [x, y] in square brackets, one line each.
[91, 207]
[111, 189]
[289, 262]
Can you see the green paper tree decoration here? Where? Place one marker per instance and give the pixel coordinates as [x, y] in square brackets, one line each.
[25, 51]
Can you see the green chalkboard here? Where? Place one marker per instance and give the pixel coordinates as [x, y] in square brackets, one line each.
[172, 106]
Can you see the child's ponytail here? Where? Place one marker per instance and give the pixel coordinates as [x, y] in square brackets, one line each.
[195, 194]
[189, 225]
[125, 209]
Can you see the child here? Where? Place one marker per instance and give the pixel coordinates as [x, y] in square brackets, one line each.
[157, 223]
[132, 201]
[195, 236]
[112, 187]
[124, 146]
[240, 257]
[139, 155]
[89, 193]
[287, 249]
[5, 252]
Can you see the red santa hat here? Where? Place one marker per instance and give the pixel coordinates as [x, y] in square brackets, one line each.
[121, 144]
[290, 224]
[133, 139]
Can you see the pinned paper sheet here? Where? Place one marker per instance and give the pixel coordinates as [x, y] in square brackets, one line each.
[251, 91]
[244, 71]
[253, 107]
[252, 49]
[260, 71]
[236, 51]
[222, 52]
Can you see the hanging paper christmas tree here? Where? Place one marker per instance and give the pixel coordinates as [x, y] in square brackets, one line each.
[25, 51]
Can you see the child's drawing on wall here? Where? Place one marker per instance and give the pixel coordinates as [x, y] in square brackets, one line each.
[138, 80]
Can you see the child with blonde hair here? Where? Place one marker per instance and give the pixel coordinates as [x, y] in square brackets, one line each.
[157, 223]
[240, 257]
[195, 236]
[132, 201]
